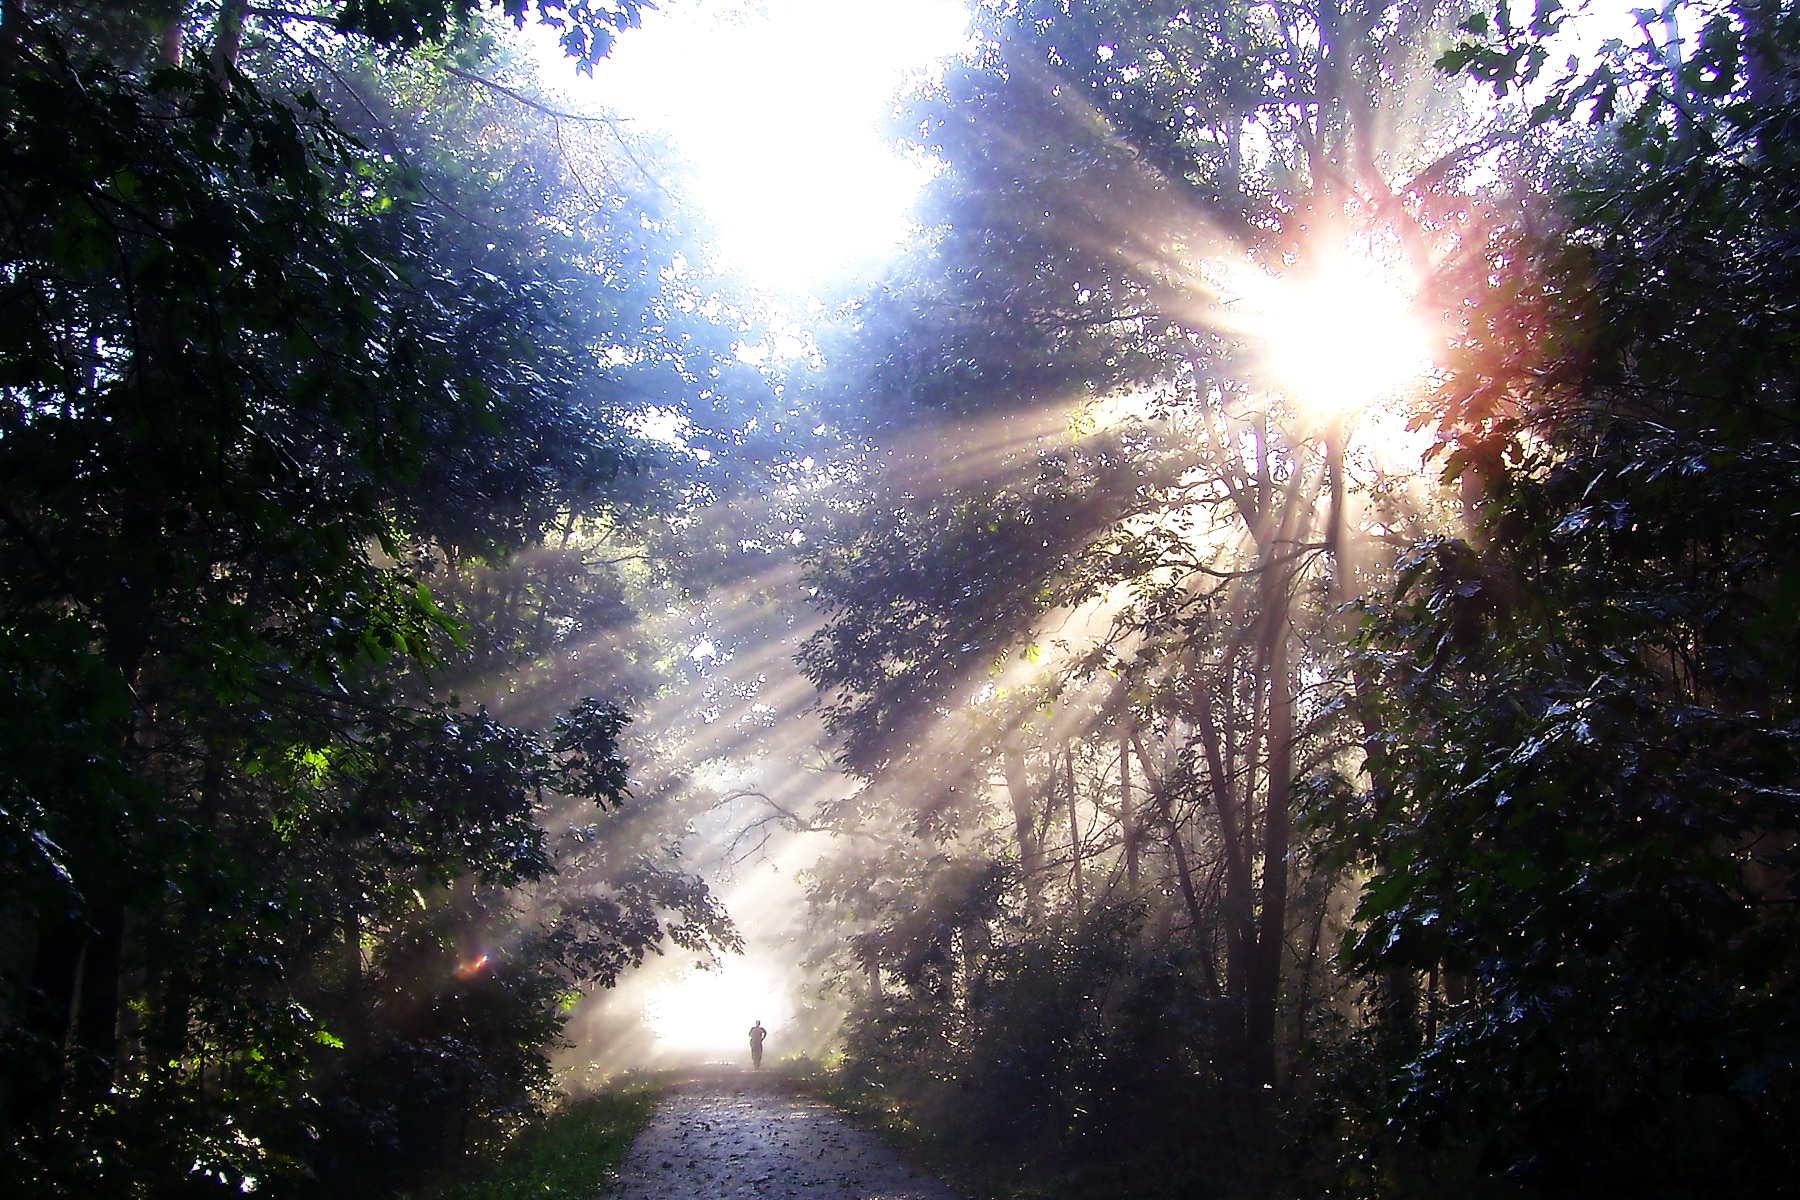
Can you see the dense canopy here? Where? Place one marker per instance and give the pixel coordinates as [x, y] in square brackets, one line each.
[1273, 615]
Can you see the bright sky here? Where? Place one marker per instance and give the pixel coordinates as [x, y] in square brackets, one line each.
[780, 106]
[710, 1012]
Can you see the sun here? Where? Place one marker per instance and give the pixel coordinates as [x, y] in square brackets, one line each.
[709, 1012]
[1343, 335]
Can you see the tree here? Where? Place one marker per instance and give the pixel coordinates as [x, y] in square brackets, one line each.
[258, 922]
[1582, 813]
[1103, 162]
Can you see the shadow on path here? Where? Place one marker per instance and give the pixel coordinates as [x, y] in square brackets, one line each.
[723, 1132]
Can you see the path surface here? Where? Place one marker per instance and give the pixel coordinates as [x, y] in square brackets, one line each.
[738, 1137]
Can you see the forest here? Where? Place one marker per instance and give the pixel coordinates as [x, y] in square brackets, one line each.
[1267, 608]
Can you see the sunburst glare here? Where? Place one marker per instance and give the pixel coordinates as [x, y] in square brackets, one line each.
[778, 105]
[710, 1012]
[1343, 335]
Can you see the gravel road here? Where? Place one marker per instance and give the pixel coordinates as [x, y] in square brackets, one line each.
[738, 1137]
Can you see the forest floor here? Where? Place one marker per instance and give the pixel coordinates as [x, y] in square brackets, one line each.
[730, 1134]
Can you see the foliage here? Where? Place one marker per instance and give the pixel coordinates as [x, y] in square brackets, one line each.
[1093, 640]
[888, 664]
[569, 1153]
[259, 898]
[586, 28]
[1574, 793]
[1583, 808]
[1050, 1057]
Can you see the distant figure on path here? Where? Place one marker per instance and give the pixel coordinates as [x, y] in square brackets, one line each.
[757, 1034]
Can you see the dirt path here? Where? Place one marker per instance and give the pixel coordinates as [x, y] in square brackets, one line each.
[738, 1137]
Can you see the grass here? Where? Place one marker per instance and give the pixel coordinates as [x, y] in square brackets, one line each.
[566, 1156]
[967, 1173]
[988, 1170]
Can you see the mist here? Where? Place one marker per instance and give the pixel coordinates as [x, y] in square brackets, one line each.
[1142, 600]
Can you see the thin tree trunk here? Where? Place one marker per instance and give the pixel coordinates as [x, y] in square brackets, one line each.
[50, 1014]
[228, 39]
[1431, 1004]
[1303, 1007]
[1196, 910]
[97, 1020]
[1234, 140]
[1263, 982]
[1127, 820]
[1074, 829]
[1679, 94]
[1018, 788]
[165, 1039]
[169, 39]
[1334, 517]
[1159, 793]
[1285, 530]
[1240, 887]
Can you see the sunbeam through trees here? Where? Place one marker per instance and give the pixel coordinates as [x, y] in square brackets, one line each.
[1254, 655]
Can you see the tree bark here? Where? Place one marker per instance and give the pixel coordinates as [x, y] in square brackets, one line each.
[228, 39]
[1074, 829]
[1024, 806]
[1127, 820]
[170, 38]
[1263, 982]
[97, 1020]
[50, 1014]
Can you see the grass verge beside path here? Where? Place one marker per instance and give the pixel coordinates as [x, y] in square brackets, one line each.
[966, 1174]
[570, 1154]
[987, 1171]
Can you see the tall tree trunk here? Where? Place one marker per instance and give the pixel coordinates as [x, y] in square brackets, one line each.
[1679, 95]
[1184, 873]
[97, 1019]
[1334, 515]
[1024, 806]
[1240, 887]
[1262, 985]
[1303, 1006]
[1431, 1005]
[228, 39]
[170, 37]
[1127, 819]
[1074, 829]
[1400, 1006]
[166, 1034]
[50, 1015]
[355, 997]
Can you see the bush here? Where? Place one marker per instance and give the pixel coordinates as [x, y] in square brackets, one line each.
[1081, 1060]
[569, 1154]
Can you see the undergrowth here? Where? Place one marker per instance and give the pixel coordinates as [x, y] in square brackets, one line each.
[990, 1169]
[567, 1155]
[979, 1176]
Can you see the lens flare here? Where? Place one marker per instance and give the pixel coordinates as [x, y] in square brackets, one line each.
[1343, 335]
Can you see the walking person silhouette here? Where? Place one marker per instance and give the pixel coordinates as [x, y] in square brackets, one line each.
[757, 1034]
